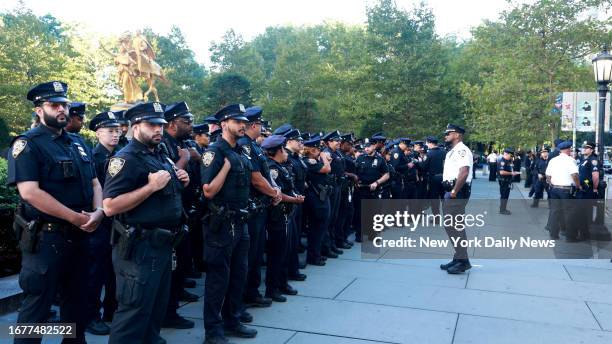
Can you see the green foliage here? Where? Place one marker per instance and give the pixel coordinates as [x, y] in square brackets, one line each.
[8, 194]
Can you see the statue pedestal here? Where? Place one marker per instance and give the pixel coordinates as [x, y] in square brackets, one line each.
[122, 106]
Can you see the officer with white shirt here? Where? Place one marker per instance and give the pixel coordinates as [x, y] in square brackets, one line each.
[456, 182]
[562, 175]
[492, 160]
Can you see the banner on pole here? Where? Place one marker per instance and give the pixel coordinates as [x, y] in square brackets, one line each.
[583, 107]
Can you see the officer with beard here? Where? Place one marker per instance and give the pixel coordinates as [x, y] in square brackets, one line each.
[61, 201]
[143, 191]
[226, 177]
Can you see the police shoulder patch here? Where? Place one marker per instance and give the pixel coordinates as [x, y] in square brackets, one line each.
[312, 161]
[274, 173]
[594, 162]
[208, 157]
[461, 152]
[247, 149]
[18, 147]
[115, 165]
[396, 155]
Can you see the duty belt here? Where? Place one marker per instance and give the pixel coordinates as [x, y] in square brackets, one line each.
[563, 187]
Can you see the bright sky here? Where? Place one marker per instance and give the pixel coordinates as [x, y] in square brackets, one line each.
[204, 21]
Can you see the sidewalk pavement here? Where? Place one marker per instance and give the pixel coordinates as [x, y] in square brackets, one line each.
[353, 300]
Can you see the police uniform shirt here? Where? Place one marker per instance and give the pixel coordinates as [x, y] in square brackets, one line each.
[435, 161]
[129, 170]
[371, 168]
[541, 165]
[586, 167]
[459, 156]
[313, 175]
[235, 190]
[281, 175]
[257, 157]
[560, 170]
[505, 165]
[59, 163]
[299, 169]
[399, 161]
[349, 163]
[101, 155]
[337, 163]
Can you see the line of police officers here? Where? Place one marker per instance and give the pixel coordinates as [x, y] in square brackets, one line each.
[137, 217]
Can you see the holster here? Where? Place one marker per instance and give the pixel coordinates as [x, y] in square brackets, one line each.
[159, 237]
[127, 239]
[447, 186]
[26, 232]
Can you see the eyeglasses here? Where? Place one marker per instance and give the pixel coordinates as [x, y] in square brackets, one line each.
[57, 105]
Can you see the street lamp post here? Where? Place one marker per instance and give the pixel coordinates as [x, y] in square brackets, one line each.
[602, 67]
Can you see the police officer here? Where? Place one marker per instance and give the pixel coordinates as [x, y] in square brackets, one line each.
[420, 161]
[539, 177]
[294, 146]
[124, 124]
[562, 175]
[372, 172]
[61, 202]
[263, 193]
[335, 179]
[409, 175]
[201, 137]
[101, 273]
[505, 171]
[433, 170]
[588, 171]
[226, 177]
[214, 128]
[316, 205]
[176, 138]
[456, 180]
[141, 181]
[76, 117]
[399, 162]
[347, 197]
[517, 162]
[278, 220]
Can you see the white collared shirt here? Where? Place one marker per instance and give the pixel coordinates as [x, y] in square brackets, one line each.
[560, 170]
[492, 157]
[456, 158]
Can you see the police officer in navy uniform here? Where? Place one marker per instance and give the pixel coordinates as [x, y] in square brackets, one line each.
[101, 273]
[399, 162]
[588, 173]
[278, 220]
[335, 179]
[316, 205]
[433, 171]
[214, 128]
[176, 141]
[539, 177]
[143, 191]
[226, 177]
[294, 146]
[61, 201]
[264, 192]
[372, 172]
[201, 137]
[124, 124]
[456, 181]
[76, 117]
[347, 197]
[505, 172]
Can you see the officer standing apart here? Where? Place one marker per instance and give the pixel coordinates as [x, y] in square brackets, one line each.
[562, 175]
[101, 271]
[456, 181]
[505, 170]
[588, 171]
[143, 191]
[226, 177]
[61, 202]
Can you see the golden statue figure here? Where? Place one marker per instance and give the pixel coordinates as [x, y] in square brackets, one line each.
[135, 58]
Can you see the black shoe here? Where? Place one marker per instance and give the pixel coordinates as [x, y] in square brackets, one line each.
[459, 268]
[349, 243]
[217, 340]
[246, 317]
[259, 302]
[276, 296]
[240, 331]
[505, 212]
[554, 237]
[178, 322]
[324, 258]
[316, 262]
[330, 254]
[344, 246]
[98, 327]
[449, 264]
[297, 277]
[189, 283]
[336, 250]
[188, 297]
[288, 290]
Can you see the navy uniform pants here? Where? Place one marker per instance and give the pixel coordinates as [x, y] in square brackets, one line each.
[276, 258]
[329, 236]
[584, 203]
[456, 207]
[560, 216]
[227, 252]
[143, 289]
[293, 242]
[101, 274]
[257, 235]
[345, 212]
[318, 218]
[435, 192]
[58, 265]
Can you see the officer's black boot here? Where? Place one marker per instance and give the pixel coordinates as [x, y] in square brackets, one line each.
[502, 207]
[536, 202]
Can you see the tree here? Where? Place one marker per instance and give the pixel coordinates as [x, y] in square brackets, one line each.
[229, 88]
